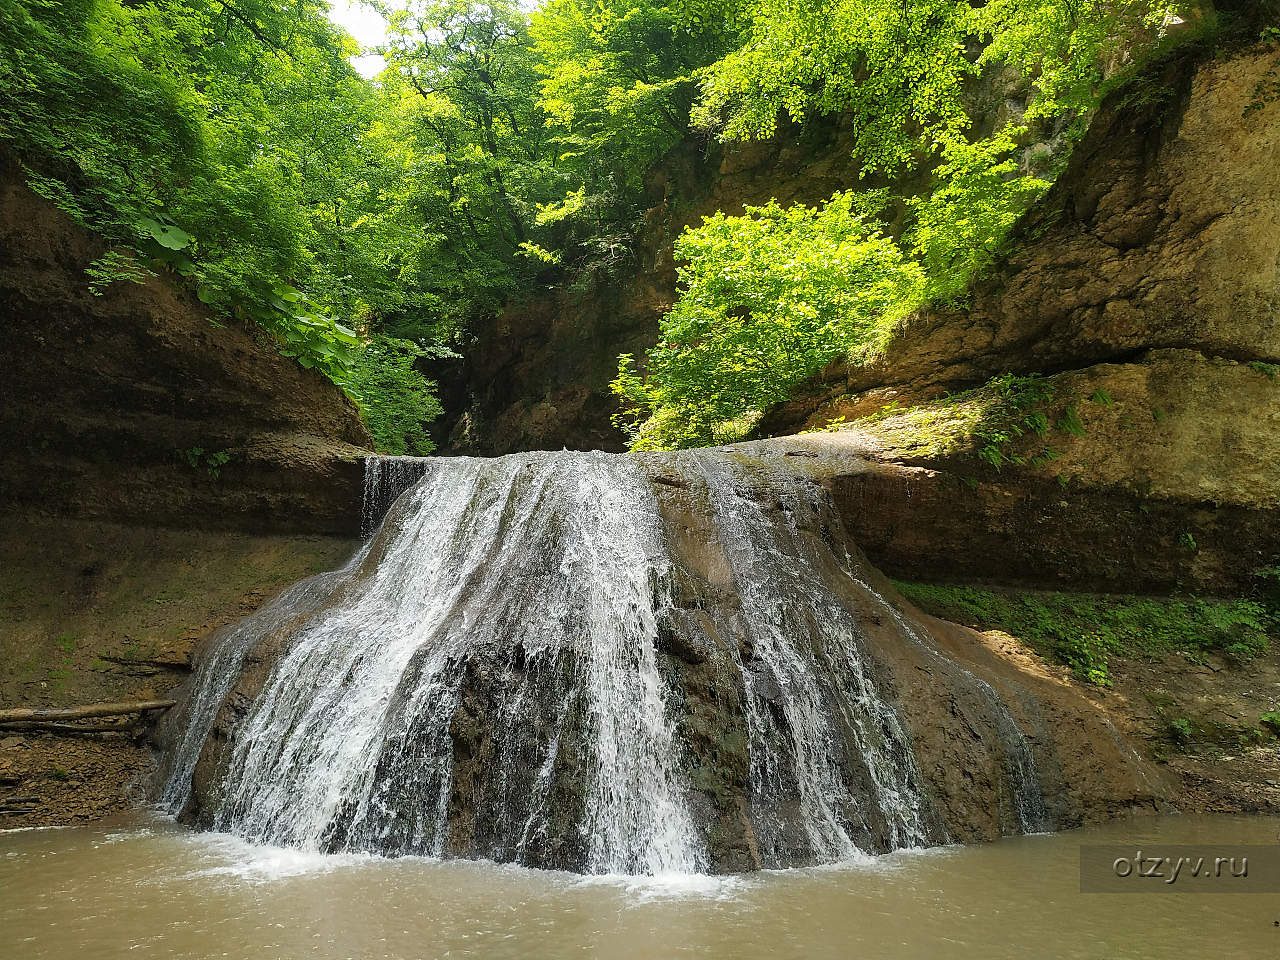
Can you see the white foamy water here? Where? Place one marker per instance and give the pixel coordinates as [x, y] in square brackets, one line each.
[555, 559]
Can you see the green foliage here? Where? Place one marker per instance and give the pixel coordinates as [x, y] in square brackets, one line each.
[230, 144]
[1016, 412]
[1178, 730]
[1269, 370]
[1070, 46]
[1266, 584]
[316, 340]
[174, 130]
[897, 68]
[619, 79]
[1070, 422]
[397, 401]
[1271, 722]
[896, 72]
[769, 298]
[1087, 632]
[961, 225]
[117, 265]
[894, 69]
[210, 461]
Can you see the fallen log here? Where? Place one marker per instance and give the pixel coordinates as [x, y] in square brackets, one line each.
[55, 726]
[26, 714]
[177, 666]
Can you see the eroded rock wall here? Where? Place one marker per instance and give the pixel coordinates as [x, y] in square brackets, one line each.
[106, 400]
[1146, 289]
[125, 536]
[1164, 233]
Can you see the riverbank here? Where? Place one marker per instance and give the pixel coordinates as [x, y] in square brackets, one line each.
[109, 612]
[1185, 681]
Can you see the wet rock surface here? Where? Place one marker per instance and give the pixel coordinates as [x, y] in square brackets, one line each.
[924, 735]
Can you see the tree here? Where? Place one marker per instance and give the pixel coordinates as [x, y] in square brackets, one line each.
[769, 298]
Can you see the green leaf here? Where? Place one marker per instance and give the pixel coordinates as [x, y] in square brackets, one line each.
[168, 236]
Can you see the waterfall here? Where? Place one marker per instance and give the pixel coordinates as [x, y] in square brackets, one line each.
[385, 478]
[527, 661]
[784, 600]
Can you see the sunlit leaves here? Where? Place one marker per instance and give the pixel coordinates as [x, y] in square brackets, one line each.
[977, 196]
[769, 298]
[894, 68]
[168, 235]
[617, 81]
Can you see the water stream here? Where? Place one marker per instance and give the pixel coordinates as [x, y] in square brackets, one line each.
[156, 890]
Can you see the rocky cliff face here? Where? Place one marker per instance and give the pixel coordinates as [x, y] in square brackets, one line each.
[126, 535]
[1164, 233]
[1146, 290]
[134, 407]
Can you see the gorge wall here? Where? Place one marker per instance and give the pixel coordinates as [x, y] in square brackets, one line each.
[1145, 290]
[123, 406]
[160, 476]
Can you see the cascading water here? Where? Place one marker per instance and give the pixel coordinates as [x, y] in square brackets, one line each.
[794, 750]
[545, 658]
[385, 479]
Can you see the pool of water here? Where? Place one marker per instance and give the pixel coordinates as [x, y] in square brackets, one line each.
[146, 888]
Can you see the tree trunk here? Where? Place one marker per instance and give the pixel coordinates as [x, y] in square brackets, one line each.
[26, 714]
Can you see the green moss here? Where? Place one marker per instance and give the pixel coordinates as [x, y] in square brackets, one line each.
[1087, 631]
[1271, 721]
[990, 421]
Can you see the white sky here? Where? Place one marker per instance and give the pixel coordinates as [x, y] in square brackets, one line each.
[367, 26]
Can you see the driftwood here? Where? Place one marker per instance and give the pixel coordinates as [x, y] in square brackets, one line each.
[45, 716]
[177, 666]
[53, 726]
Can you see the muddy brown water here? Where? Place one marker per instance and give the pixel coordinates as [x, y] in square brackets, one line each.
[144, 887]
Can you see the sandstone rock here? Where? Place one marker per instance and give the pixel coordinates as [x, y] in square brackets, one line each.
[103, 395]
[1148, 277]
